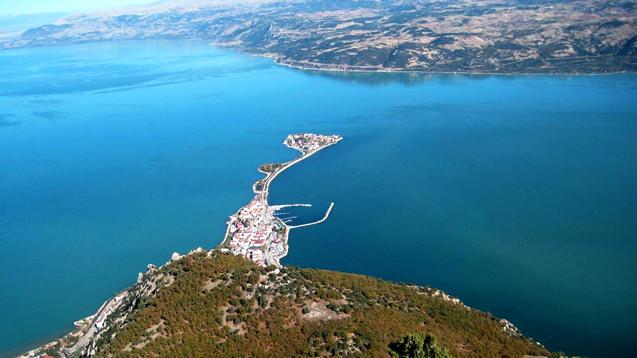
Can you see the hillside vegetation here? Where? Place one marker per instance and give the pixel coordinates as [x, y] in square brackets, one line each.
[219, 305]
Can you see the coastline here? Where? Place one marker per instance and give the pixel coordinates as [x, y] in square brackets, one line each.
[321, 67]
[335, 69]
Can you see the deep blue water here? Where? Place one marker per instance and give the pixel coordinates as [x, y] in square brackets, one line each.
[515, 193]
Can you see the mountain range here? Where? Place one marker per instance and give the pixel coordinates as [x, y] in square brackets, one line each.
[506, 36]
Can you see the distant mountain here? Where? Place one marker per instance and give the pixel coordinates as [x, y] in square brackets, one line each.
[508, 36]
[209, 304]
[19, 23]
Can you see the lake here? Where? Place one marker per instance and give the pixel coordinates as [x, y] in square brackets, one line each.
[514, 193]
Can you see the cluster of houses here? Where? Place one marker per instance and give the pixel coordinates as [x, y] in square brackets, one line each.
[256, 234]
[308, 142]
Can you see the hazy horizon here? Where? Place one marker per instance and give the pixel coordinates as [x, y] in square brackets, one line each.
[38, 7]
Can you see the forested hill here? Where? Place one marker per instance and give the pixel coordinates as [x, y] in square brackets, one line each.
[508, 36]
[210, 304]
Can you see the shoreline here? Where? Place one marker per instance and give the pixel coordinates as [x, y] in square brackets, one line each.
[320, 67]
[330, 68]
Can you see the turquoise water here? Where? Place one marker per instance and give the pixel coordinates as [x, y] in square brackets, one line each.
[514, 193]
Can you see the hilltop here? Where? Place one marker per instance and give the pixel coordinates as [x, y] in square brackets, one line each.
[214, 304]
[508, 36]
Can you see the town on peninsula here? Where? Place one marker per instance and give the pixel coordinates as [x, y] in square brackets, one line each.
[255, 231]
[241, 297]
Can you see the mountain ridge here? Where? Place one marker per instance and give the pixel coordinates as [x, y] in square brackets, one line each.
[508, 36]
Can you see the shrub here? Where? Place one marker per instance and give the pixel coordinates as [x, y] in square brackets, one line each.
[417, 346]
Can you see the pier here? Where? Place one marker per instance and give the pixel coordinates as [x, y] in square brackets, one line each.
[327, 214]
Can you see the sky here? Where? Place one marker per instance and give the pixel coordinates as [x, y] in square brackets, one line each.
[22, 7]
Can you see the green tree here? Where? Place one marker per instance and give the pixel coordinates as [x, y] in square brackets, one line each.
[417, 346]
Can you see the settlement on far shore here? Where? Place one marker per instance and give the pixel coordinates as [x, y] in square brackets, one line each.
[255, 232]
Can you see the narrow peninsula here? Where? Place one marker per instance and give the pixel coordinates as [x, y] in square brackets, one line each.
[239, 301]
[255, 232]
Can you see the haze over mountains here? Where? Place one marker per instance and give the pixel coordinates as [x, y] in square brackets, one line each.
[524, 36]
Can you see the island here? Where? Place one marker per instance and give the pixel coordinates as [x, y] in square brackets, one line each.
[238, 300]
[255, 231]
